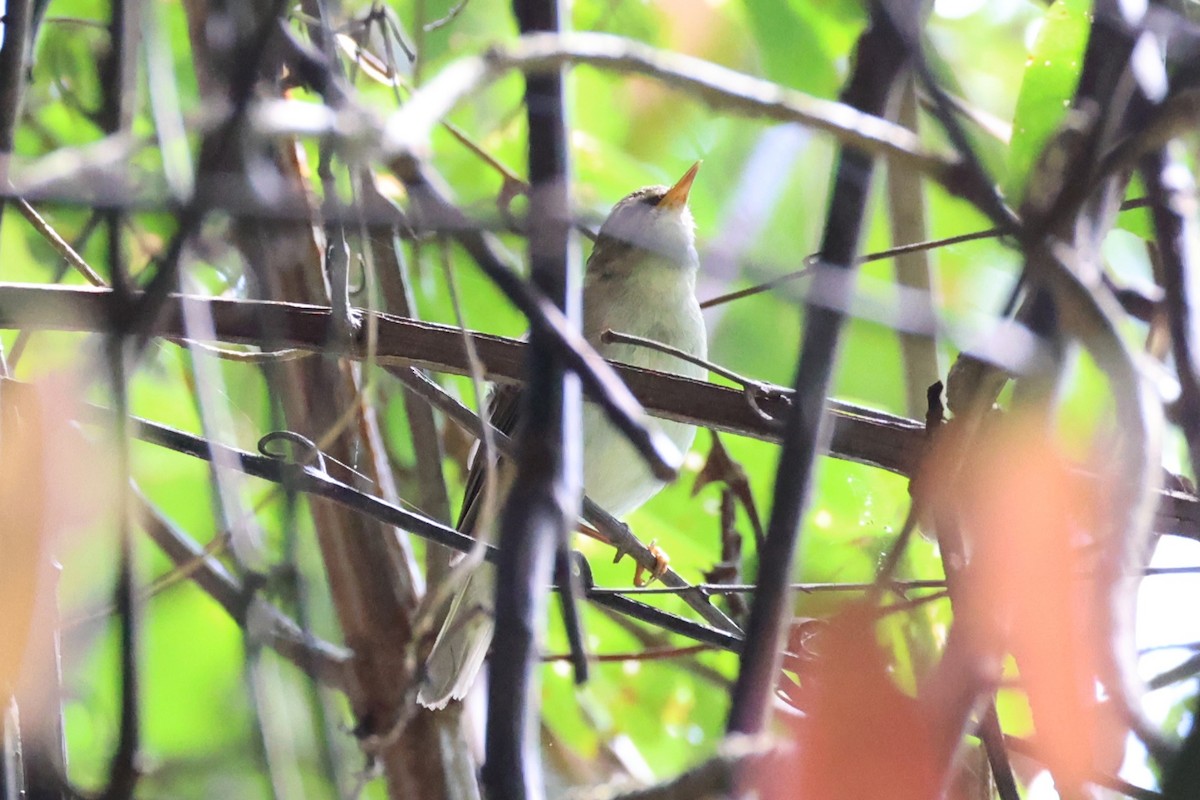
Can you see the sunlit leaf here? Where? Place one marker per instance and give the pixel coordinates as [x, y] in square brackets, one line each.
[1051, 73]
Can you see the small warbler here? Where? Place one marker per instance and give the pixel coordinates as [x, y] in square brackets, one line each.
[640, 280]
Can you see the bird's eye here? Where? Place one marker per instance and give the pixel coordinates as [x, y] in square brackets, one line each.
[653, 200]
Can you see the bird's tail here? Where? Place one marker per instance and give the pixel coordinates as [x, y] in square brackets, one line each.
[462, 645]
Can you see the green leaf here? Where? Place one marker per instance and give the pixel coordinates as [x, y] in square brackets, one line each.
[1051, 74]
[799, 41]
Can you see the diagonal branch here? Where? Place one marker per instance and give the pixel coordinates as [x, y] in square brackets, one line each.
[881, 61]
[408, 129]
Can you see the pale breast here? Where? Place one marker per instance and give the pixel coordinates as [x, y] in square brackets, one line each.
[659, 304]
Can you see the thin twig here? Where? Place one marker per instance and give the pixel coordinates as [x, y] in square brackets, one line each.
[321, 660]
[60, 244]
[749, 588]
[657, 654]
[1173, 190]
[907, 217]
[1030, 749]
[612, 530]
[722, 88]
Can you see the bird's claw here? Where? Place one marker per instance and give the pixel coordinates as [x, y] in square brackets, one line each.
[662, 562]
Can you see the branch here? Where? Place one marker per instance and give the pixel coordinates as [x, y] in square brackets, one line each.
[313, 481]
[859, 434]
[881, 61]
[615, 532]
[714, 777]
[543, 503]
[262, 621]
[1173, 191]
[408, 130]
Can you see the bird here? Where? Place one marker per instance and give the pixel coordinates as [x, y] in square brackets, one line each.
[640, 279]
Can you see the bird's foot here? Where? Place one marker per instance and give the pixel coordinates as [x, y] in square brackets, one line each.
[662, 562]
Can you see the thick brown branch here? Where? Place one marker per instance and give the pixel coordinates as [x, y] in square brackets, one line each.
[859, 434]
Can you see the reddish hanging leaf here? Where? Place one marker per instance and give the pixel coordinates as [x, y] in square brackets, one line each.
[1026, 516]
[861, 737]
[22, 496]
[51, 479]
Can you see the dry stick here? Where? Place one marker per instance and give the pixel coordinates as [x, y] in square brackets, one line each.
[881, 60]
[954, 706]
[749, 385]
[370, 572]
[1102, 80]
[646, 613]
[60, 244]
[1137, 471]
[748, 588]
[429, 618]
[407, 131]
[657, 639]
[210, 416]
[308, 479]
[397, 298]
[511, 183]
[620, 536]
[1180, 672]
[717, 776]
[89, 228]
[1173, 192]
[1089, 313]
[318, 659]
[245, 79]
[407, 577]
[162, 89]
[283, 632]
[956, 703]
[543, 502]
[216, 422]
[118, 72]
[993, 126]
[1177, 116]
[14, 55]
[897, 586]
[433, 752]
[891, 252]
[907, 218]
[657, 654]
[489, 498]
[305, 478]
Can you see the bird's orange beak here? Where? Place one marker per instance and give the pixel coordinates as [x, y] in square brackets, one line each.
[677, 195]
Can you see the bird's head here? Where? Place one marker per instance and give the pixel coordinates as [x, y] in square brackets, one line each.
[656, 220]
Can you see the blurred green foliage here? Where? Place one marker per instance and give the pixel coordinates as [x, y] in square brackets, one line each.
[1012, 59]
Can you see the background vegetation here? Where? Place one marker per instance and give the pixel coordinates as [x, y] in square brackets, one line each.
[107, 146]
